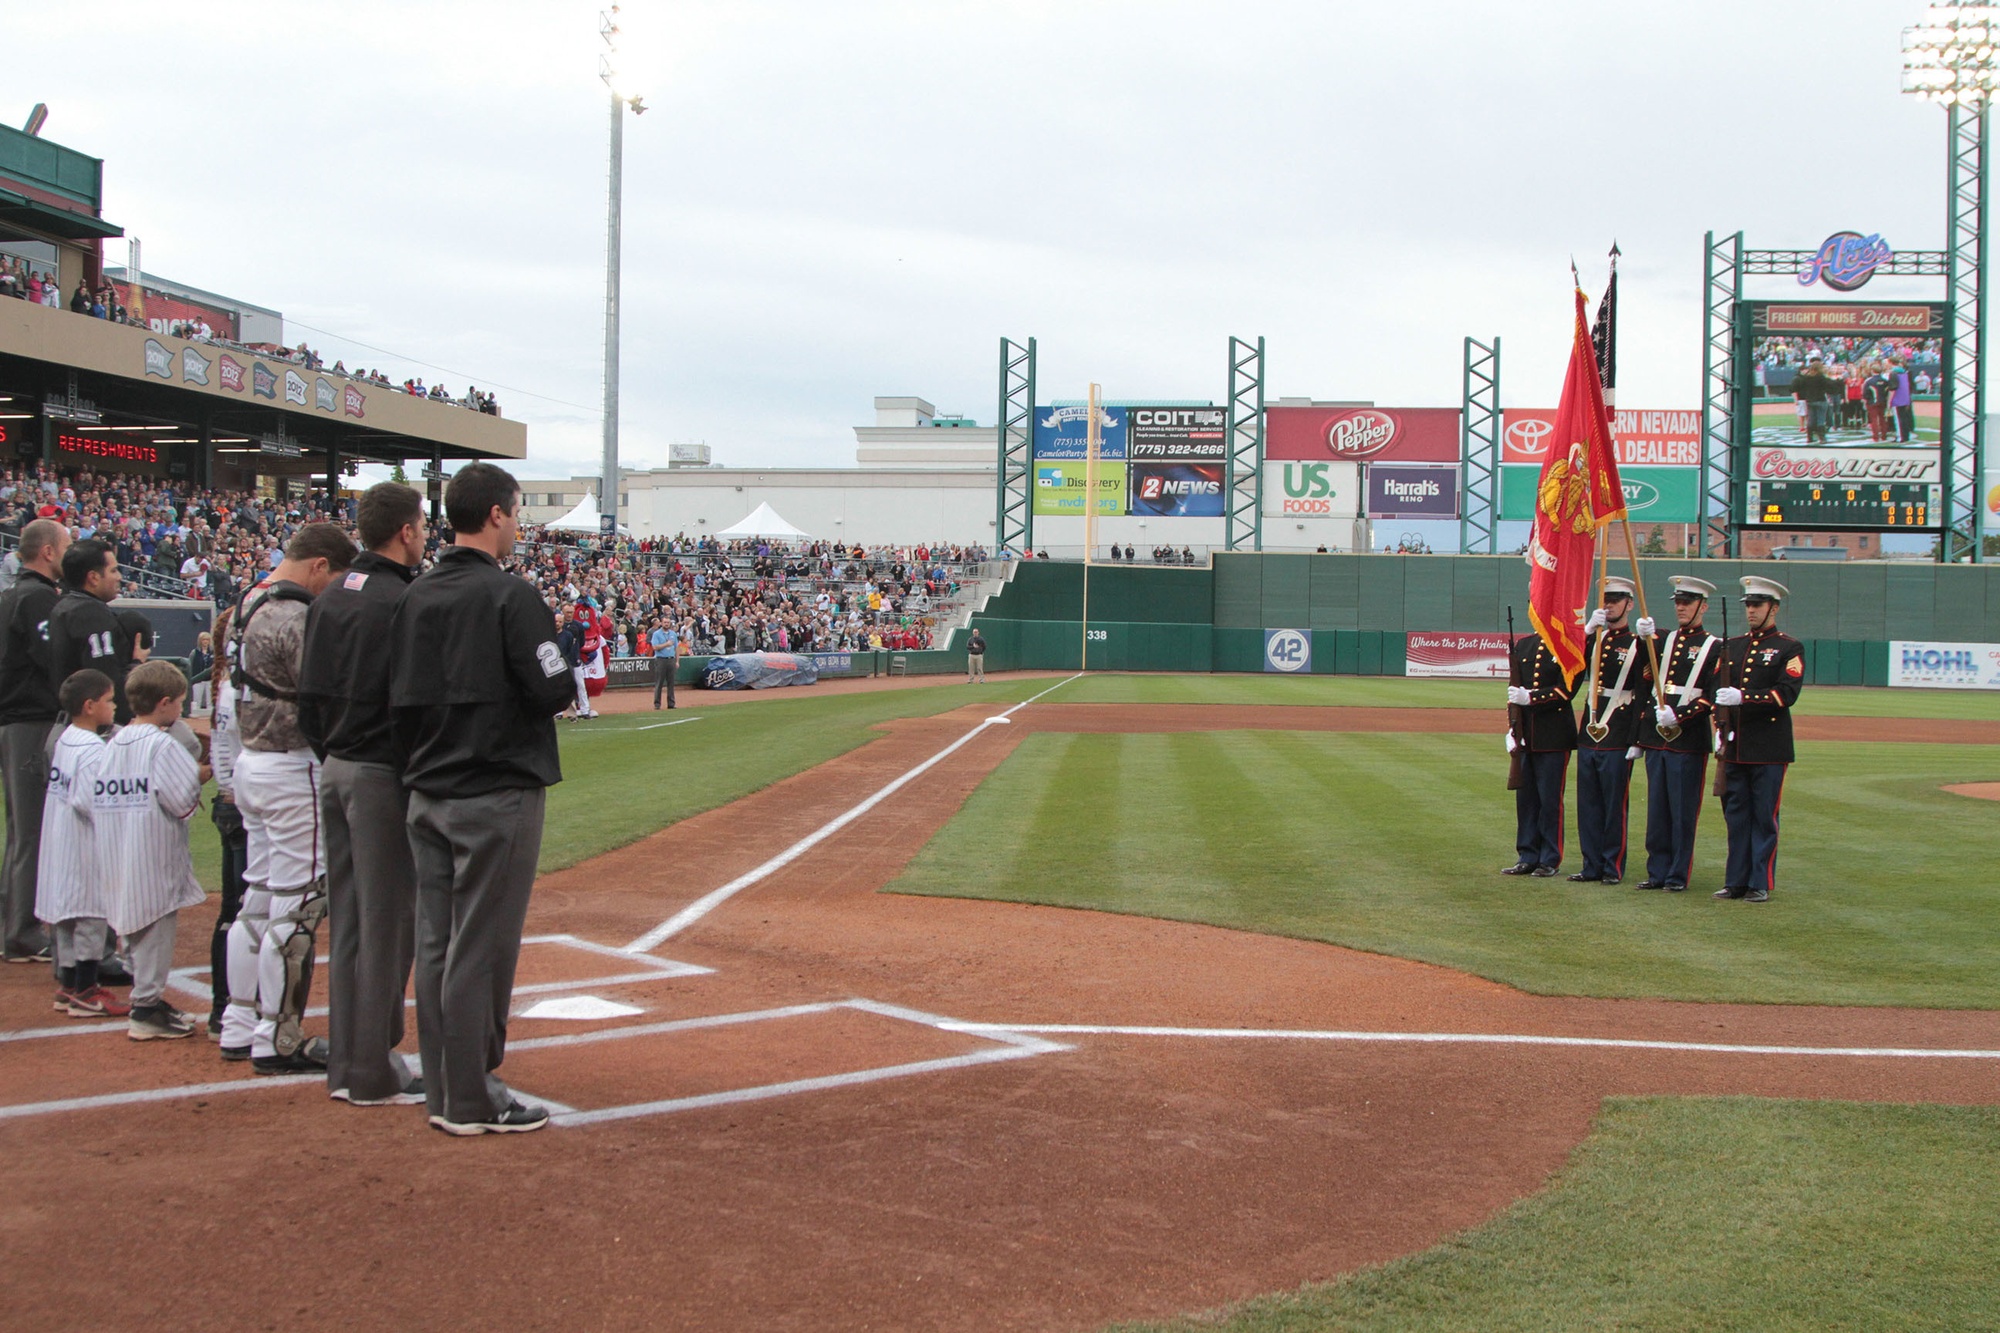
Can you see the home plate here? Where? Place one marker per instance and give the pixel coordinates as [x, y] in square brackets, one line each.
[579, 1007]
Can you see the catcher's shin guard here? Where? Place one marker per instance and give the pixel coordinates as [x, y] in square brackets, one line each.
[297, 950]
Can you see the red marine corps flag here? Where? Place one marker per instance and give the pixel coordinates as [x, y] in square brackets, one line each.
[1578, 494]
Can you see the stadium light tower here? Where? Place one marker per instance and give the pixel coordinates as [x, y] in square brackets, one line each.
[1953, 58]
[607, 70]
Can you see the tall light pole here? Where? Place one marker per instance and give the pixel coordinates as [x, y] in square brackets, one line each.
[607, 504]
[1953, 58]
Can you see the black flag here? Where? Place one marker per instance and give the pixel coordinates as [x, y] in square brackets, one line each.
[1604, 337]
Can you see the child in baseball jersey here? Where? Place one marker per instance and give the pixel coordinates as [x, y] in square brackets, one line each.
[69, 890]
[146, 789]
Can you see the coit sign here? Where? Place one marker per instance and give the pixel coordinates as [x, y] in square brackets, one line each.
[1361, 434]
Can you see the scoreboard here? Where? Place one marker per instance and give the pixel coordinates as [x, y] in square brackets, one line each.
[1842, 503]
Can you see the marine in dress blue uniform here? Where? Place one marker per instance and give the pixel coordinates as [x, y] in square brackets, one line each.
[1548, 735]
[1676, 737]
[1762, 673]
[1608, 736]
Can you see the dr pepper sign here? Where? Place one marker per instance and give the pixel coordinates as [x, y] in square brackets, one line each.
[1362, 434]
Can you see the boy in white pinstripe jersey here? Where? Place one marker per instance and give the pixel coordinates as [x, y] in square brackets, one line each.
[69, 888]
[146, 789]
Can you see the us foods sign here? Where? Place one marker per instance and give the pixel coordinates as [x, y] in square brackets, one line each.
[1362, 434]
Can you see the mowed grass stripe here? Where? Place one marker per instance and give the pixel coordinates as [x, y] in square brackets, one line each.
[1392, 843]
[1704, 1214]
[1403, 692]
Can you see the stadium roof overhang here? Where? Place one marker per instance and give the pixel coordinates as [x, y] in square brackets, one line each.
[71, 376]
[33, 215]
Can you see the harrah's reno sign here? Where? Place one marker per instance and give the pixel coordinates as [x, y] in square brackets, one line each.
[1362, 434]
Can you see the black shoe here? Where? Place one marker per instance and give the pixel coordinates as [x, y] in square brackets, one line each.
[1525, 868]
[235, 1054]
[1543, 872]
[295, 1063]
[1757, 896]
[516, 1119]
[1610, 881]
[1731, 894]
[412, 1094]
[111, 973]
[1650, 884]
[1580, 878]
[1677, 888]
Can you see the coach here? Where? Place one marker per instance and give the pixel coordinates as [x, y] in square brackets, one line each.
[28, 710]
[475, 683]
[371, 882]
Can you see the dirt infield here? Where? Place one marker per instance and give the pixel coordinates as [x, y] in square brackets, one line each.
[1984, 791]
[996, 1185]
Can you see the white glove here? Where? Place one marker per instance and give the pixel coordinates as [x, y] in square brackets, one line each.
[1666, 716]
[1728, 697]
[1518, 694]
[1512, 744]
[1632, 753]
[1643, 627]
[1595, 623]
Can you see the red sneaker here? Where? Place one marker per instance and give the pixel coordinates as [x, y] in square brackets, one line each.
[63, 999]
[97, 1002]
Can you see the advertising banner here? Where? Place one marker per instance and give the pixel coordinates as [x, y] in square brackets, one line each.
[1643, 436]
[1944, 666]
[1461, 656]
[1362, 434]
[1176, 434]
[1395, 491]
[1818, 463]
[1060, 488]
[165, 313]
[1851, 318]
[1064, 432]
[758, 671]
[1312, 490]
[1288, 650]
[1652, 494]
[1175, 490]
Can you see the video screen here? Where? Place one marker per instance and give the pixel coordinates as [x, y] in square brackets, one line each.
[1845, 389]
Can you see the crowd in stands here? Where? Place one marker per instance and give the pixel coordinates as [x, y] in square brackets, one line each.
[20, 279]
[716, 597]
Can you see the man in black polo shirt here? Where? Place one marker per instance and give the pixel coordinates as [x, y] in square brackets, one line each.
[475, 683]
[28, 710]
[371, 882]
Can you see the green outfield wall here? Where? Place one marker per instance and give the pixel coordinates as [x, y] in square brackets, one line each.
[1358, 608]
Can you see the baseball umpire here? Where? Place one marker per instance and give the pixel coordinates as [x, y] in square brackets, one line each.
[371, 882]
[476, 680]
[28, 710]
[1760, 678]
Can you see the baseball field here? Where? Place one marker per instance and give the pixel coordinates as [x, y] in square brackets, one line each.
[1109, 1001]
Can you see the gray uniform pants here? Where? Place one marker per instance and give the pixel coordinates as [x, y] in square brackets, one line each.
[475, 860]
[24, 766]
[152, 949]
[371, 894]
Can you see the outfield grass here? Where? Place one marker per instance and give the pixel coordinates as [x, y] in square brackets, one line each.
[1400, 692]
[1391, 843]
[1701, 1215]
[625, 777]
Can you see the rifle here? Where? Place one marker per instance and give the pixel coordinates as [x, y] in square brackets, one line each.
[1725, 718]
[1516, 715]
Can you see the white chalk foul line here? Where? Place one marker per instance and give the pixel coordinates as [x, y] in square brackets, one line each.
[1476, 1038]
[708, 902]
[157, 1095]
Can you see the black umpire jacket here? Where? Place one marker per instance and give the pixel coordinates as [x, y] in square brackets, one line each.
[1546, 721]
[84, 632]
[27, 694]
[344, 678]
[476, 680]
[1769, 668]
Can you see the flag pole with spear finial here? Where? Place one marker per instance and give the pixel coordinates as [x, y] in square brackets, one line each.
[1606, 338]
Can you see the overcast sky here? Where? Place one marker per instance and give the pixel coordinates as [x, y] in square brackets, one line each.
[830, 201]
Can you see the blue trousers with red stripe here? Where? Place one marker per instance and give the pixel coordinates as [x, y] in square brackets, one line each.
[1538, 808]
[1751, 794]
[1676, 783]
[1603, 787]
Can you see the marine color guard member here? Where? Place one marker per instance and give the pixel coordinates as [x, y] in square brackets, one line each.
[1609, 736]
[1676, 737]
[1544, 739]
[1761, 675]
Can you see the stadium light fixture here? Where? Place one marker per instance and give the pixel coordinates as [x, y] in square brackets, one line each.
[621, 102]
[1953, 56]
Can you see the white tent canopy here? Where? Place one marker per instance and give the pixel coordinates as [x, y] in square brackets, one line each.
[585, 517]
[763, 521]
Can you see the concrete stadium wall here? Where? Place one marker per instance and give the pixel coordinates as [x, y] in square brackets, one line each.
[1359, 607]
